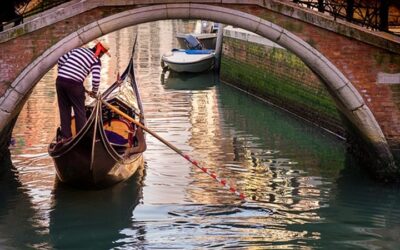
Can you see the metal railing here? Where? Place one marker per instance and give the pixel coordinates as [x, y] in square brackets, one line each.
[372, 14]
[21, 12]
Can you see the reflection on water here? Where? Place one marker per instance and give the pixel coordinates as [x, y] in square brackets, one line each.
[267, 154]
[20, 225]
[188, 81]
[94, 219]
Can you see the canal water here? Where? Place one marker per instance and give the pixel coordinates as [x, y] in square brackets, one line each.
[320, 198]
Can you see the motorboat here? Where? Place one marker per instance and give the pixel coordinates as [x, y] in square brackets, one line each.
[193, 59]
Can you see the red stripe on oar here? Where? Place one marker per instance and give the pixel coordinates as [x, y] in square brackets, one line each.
[187, 157]
[221, 181]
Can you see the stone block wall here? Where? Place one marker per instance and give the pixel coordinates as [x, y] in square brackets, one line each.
[280, 77]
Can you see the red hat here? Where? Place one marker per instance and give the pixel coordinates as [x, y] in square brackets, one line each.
[101, 47]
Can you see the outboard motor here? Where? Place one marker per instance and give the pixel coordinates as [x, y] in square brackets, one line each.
[215, 28]
[192, 42]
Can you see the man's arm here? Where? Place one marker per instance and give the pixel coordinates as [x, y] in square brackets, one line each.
[96, 69]
[63, 59]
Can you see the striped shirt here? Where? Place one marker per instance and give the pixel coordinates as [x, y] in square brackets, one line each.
[76, 65]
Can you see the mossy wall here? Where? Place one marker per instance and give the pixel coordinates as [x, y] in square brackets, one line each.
[280, 77]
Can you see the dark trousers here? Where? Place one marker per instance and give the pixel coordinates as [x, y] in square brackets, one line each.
[70, 96]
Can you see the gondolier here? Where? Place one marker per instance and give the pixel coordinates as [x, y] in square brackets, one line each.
[109, 148]
[73, 68]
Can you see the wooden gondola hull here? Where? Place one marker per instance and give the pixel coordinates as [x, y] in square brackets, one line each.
[91, 162]
[106, 173]
[71, 158]
[122, 171]
[74, 166]
[107, 149]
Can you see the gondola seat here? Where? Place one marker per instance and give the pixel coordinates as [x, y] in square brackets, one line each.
[119, 133]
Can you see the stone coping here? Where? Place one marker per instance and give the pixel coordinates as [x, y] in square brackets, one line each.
[380, 39]
[245, 35]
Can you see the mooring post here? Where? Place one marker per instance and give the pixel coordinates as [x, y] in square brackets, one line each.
[218, 47]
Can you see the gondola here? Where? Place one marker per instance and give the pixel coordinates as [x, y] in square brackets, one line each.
[109, 148]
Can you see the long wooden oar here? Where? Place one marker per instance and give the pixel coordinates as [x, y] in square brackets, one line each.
[205, 170]
[195, 163]
[100, 96]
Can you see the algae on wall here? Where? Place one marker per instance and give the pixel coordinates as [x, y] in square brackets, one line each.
[279, 76]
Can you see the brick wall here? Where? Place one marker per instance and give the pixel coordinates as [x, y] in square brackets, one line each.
[280, 77]
[18, 53]
[358, 61]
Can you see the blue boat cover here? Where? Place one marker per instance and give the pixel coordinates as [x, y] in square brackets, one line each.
[198, 51]
[116, 138]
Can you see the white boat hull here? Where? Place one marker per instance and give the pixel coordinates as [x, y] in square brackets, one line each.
[179, 61]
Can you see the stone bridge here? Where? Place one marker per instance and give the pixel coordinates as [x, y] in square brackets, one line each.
[357, 66]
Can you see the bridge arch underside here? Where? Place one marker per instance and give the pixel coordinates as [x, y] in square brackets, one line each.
[347, 98]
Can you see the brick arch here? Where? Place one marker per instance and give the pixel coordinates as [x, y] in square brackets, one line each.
[348, 99]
